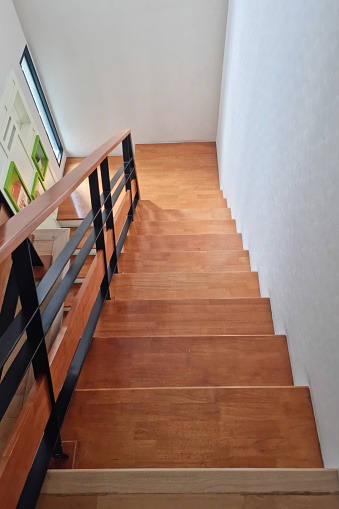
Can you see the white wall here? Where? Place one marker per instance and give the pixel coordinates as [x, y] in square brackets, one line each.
[278, 151]
[152, 66]
[12, 44]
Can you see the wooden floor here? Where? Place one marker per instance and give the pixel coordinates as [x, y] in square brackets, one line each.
[185, 369]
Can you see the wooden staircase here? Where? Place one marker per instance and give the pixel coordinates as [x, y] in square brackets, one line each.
[184, 370]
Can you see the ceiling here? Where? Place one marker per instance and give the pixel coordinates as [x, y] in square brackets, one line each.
[153, 66]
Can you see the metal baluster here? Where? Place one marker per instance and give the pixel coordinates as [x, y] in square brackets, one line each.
[130, 146]
[106, 186]
[98, 225]
[23, 268]
[126, 150]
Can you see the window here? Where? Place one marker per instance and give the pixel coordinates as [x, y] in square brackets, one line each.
[33, 82]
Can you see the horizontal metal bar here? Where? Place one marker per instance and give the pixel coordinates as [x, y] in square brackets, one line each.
[118, 190]
[48, 281]
[79, 358]
[60, 295]
[12, 335]
[10, 302]
[17, 228]
[118, 174]
[16, 372]
[39, 468]
[56, 269]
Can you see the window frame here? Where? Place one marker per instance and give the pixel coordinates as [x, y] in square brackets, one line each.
[46, 110]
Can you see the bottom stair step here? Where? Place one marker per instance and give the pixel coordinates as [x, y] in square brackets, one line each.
[197, 481]
[191, 489]
[232, 427]
[189, 501]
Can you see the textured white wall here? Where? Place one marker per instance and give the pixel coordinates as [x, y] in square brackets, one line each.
[12, 44]
[152, 66]
[278, 151]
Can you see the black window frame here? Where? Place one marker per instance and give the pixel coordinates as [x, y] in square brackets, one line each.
[26, 56]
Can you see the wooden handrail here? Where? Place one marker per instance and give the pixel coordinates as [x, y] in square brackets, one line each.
[17, 229]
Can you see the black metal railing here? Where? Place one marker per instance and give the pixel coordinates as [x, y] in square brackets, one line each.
[36, 324]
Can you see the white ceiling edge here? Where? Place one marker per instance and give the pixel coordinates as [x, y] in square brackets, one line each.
[152, 67]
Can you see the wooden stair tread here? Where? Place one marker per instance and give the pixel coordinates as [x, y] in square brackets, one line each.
[181, 214]
[185, 317]
[184, 261]
[185, 286]
[252, 427]
[183, 227]
[197, 242]
[225, 285]
[200, 361]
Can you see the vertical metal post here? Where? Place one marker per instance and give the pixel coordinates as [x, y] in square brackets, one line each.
[133, 164]
[23, 268]
[98, 225]
[106, 186]
[126, 150]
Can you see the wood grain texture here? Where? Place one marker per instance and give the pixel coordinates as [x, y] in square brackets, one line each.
[184, 227]
[185, 501]
[184, 261]
[185, 317]
[200, 361]
[22, 445]
[179, 286]
[185, 286]
[203, 242]
[230, 427]
[194, 481]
